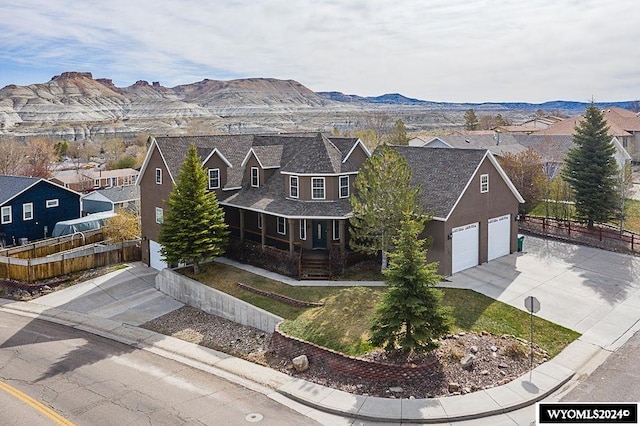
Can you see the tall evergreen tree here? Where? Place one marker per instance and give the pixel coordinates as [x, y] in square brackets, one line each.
[591, 170]
[193, 229]
[410, 316]
[382, 193]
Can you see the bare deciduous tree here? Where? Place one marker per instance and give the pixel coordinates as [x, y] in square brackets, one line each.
[12, 156]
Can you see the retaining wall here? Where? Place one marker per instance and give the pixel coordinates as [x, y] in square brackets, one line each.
[212, 301]
[290, 347]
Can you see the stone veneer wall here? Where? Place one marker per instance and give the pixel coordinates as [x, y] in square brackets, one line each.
[291, 347]
[212, 301]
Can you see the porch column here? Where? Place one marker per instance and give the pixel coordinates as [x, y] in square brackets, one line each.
[263, 230]
[290, 223]
[241, 225]
[343, 236]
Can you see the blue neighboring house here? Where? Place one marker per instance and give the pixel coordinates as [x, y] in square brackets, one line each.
[30, 208]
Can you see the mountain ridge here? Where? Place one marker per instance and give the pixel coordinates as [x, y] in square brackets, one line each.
[77, 106]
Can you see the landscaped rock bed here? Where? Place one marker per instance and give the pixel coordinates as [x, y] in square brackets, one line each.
[496, 359]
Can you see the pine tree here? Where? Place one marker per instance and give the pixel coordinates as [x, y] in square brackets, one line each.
[193, 229]
[410, 316]
[470, 120]
[591, 170]
[382, 193]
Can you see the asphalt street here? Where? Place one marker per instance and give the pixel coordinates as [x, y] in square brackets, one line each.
[90, 380]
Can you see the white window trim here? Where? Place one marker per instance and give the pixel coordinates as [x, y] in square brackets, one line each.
[217, 178]
[259, 220]
[52, 203]
[27, 207]
[158, 176]
[283, 221]
[340, 186]
[255, 172]
[96, 182]
[336, 229]
[324, 190]
[296, 186]
[6, 211]
[303, 229]
[159, 215]
[484, 183]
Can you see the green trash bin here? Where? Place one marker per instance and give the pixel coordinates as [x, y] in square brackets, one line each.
[520, 241]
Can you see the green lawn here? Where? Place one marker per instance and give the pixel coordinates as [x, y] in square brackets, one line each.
[343, 322]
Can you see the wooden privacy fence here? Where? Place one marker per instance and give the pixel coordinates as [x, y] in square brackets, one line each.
[50, 246]
[602, 236]
[78, 259]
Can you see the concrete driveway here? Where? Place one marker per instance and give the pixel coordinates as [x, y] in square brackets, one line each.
[127, 295]
[592, 291]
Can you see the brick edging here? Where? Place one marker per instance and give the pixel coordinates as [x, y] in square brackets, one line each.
[290, 347]
[285, 299]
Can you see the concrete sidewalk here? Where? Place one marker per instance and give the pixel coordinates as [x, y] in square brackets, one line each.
[589, 290]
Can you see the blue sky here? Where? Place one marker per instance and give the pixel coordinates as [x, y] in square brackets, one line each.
[441, 50]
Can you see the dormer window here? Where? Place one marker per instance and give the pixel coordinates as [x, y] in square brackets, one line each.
[214, 178]
[344, 186]
[484, 183]
[293, 186]
[317, 188]
[255, 177]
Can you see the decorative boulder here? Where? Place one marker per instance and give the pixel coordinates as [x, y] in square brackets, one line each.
[300, 363]
[467, 362]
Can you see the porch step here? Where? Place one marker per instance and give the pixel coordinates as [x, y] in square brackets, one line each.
[315, 269]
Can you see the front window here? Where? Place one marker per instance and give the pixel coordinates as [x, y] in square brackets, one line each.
[282, 225]
[303, 229]
[52, 203]
[27, 211]
[159, 176]
[293, 186]
[6, 215]
[159, 215]
[96, 182]
[255, 177]
[336, 229]
[214, 178]
[344, 186]
[317, 188]
[484, 183]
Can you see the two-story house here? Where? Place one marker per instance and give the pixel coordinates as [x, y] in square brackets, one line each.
[290, 192]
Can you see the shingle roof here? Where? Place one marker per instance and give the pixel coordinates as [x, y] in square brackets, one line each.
[233, 147]
[441, 173]
[10, 186]
[292, 153]
[121, 194]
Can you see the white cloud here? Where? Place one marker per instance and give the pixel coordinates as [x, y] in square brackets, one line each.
[447, 50]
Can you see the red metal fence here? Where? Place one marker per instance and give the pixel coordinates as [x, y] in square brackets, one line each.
[602, 236]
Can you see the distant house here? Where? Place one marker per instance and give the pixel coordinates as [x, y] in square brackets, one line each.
[30, 208]
[112, 199]
[83, 180]
[291, 193]
[499, 144]
[623, 125]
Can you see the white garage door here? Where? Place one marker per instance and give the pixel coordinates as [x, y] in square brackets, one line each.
[499, 237]
[464, 247]
[156, 261]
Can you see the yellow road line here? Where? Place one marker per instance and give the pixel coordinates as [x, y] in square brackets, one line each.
[57, 418]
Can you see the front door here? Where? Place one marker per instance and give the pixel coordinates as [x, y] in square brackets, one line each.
[319, 234]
